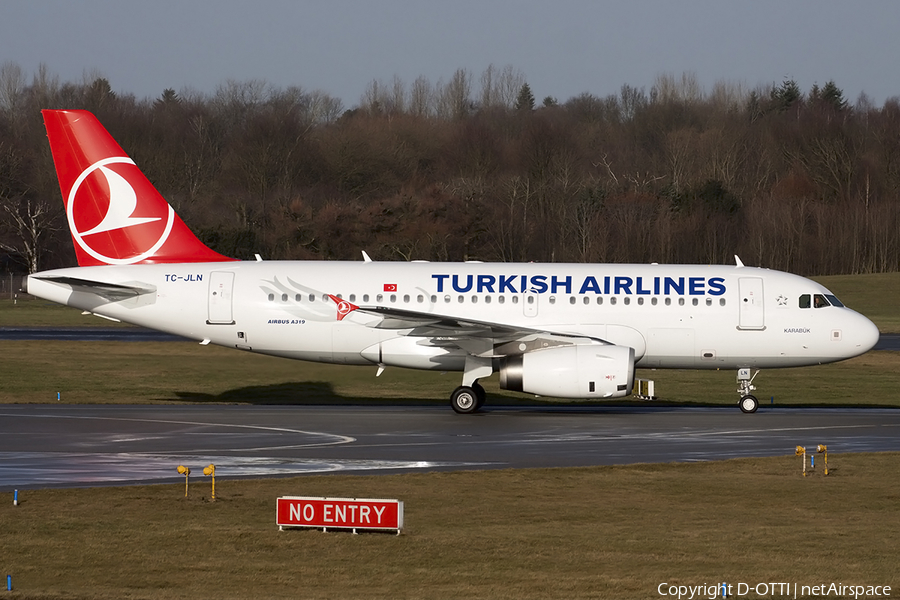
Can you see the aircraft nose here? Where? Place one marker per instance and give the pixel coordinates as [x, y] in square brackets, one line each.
[864, 334]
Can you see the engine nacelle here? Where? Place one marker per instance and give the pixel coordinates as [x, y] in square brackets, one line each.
[582, 371]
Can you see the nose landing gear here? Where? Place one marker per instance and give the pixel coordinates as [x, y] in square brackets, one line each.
[748, 401]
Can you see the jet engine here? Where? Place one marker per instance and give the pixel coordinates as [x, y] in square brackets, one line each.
[579, 371]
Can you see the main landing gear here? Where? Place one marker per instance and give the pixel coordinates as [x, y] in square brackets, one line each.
[466, 400]
[748, 401]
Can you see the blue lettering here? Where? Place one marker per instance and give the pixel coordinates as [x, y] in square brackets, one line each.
[457, 287]
[506, 284]
[606, 285]
[656, 285]
[670, 284]
[440, 281]
[716, 286]
[555, 284]
[623, 285]
[590, 285]
[486, 283]
[199, 277]
[640, 287]
[696, 284]
[539, 284]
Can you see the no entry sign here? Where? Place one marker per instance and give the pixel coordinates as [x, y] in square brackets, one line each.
[339, 513]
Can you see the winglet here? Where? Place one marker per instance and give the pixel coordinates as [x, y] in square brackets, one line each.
[344, 308]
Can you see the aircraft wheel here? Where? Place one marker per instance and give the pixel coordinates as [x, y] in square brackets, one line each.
[749, 404]
[464, 400]
[479, 394]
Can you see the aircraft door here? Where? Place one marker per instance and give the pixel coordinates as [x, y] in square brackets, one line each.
[221, 287]
[752, 312]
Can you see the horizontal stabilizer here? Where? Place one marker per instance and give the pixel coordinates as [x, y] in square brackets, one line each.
[111, 291]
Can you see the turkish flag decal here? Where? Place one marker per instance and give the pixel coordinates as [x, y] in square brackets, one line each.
[390, 287]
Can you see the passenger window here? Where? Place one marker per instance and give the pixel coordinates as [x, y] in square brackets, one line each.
[640, 301]
[552, 299]
[379, 297]
[365, 297]
[709, 301]
[804, 301]
[271, 297]
[420, 298]
[405, 298]
[446, 298]
[312, 297]
[599, 300]
[298, 298]
[653, 300]
[627, 300]
[352, 297]
[668, 301]
[284, 297]
[501, 299]
[587, 300]
[487, 299]
[612, 300]
[515, 299]
[721, 301]
[393, 298]
[695, 302]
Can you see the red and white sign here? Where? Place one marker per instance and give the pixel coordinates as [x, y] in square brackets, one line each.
[339, 513]
[390, 287]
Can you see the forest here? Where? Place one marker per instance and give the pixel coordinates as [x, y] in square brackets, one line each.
[475, 168]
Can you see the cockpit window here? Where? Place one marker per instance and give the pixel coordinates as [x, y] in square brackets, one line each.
[819, 300]
[833, 300]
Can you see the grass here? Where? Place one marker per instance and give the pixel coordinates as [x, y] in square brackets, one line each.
[599, 532]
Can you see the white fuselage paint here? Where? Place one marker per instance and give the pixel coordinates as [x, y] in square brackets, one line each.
[674, 316]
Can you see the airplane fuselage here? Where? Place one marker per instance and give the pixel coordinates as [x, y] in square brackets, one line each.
[674, 316]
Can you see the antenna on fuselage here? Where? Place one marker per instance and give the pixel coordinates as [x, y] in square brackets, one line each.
[737, 261]
[366, 257]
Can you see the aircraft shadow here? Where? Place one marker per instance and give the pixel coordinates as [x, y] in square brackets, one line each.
[322, 393]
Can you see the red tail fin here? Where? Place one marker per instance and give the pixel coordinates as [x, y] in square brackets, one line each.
[115, 214]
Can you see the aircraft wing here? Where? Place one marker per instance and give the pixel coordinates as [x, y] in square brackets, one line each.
[114, 292]
[471, 335]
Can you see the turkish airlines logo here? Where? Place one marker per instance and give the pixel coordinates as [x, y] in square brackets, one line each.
[133, 233]
[344, 308]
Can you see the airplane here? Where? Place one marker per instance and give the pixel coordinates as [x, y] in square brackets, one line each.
[574, 331]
